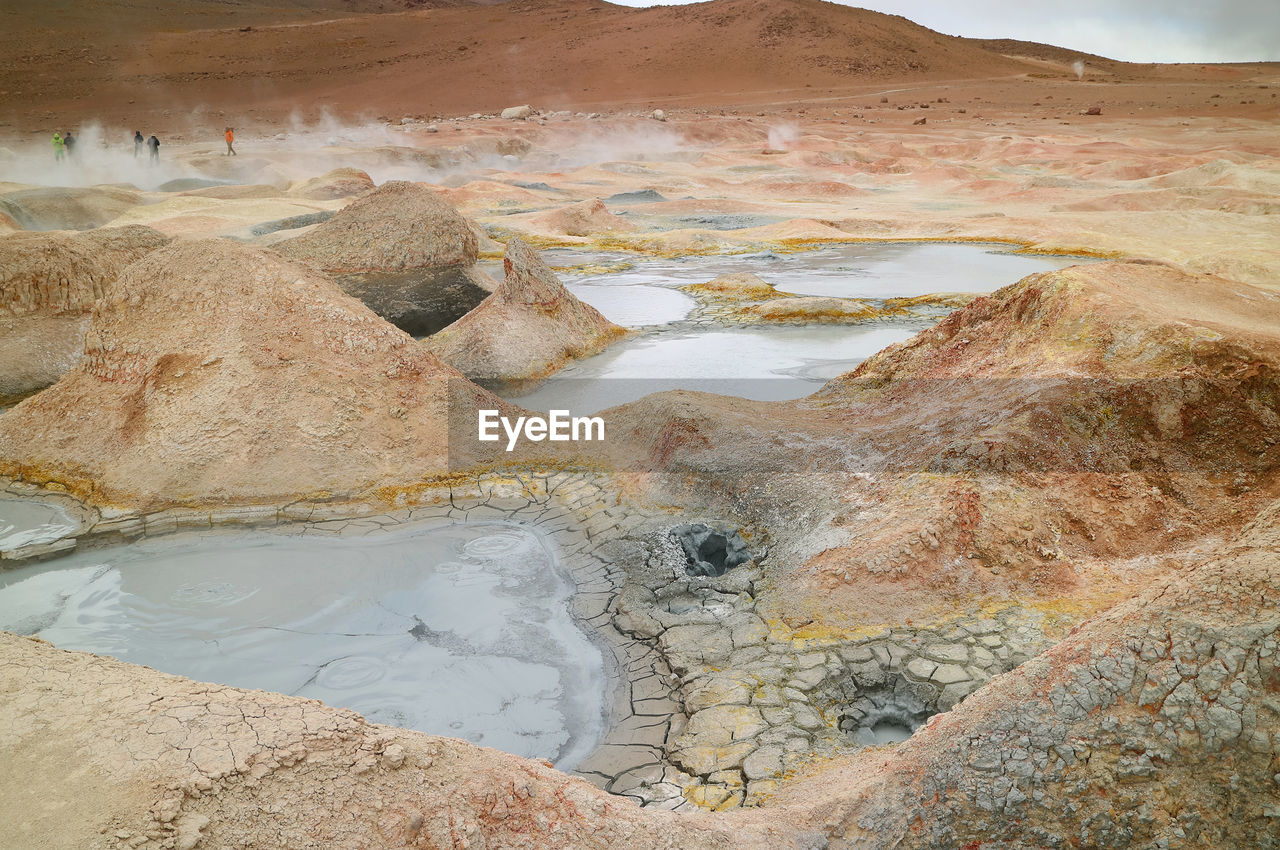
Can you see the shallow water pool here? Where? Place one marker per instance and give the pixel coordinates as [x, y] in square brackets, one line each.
[24, 522]
[762, 363]
[458, 630]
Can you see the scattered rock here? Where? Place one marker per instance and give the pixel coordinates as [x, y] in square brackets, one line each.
[518, 113]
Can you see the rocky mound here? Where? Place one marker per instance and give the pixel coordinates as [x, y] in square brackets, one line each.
[404, 251]
[62, 208]
[805, 309]
[527, 329]
[159, 761]
[587, 218]
[1117, 410]
[397, 226]
[48, 283]
[1153, 725]
[739, 286]
[214, 372]
[339, 183]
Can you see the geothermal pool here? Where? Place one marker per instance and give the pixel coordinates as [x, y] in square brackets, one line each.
[763, 362]
[458, 630]
[25, 522]
[862, 270]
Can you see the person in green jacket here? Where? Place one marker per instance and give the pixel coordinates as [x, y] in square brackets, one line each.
[59, 148]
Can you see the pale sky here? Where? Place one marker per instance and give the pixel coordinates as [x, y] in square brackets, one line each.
[1133, 30]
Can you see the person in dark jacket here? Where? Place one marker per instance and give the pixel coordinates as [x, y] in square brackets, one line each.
[153, 144]
[138, 143]
[70, 143]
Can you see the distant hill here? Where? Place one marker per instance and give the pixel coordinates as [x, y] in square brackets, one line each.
[117, 58]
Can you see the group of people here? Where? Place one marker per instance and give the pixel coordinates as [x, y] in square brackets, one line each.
[64, 145]
[152, 144]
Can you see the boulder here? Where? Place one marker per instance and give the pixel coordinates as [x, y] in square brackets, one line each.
[527, 329]
[518, 113]
[217, 372]
[339, 183]
[48, 283]
[63, 208]
[404, 251]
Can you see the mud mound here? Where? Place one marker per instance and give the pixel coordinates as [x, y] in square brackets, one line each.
[217, 372]
[397, 226]
[203, 765]
[48, 283]
[1152, 725]
[527, 329]
[404, 251]
[583, 219]
[339, 183]
[1108, 411]
[739, 286]
[67, 209]
[812, 309]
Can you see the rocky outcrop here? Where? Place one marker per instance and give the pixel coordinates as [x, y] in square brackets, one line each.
[48, 283]
[527, 329]
[63, 208]
[404, 251]
[121, 756]
[339, 183]
[215, 372]
[1152, 725]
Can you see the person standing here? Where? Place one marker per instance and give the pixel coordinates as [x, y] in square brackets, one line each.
[153, 144]
[70, 144]
[138, 143]
[231, 137]
[59, 148]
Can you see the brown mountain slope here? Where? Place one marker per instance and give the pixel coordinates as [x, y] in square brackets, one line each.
[460, 59]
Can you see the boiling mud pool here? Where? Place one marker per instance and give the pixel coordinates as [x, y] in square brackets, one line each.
[762, 362]
[24, 522]
[459, 630]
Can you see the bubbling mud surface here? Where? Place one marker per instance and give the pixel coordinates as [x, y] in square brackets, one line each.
[23, 523]
[457, 630]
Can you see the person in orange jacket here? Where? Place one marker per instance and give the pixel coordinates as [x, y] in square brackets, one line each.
[231, 137]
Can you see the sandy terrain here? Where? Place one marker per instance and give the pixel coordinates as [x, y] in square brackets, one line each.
[1047, 521]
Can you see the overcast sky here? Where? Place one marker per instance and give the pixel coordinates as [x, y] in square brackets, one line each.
[1134, 30]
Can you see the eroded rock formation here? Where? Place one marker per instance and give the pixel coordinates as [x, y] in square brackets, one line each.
[215, 372]
[1104, 411]
[404, 251]
[1155, 724]
[527, 329]
[48, 283]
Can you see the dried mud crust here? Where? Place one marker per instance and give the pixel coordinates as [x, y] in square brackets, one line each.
[712, 706]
